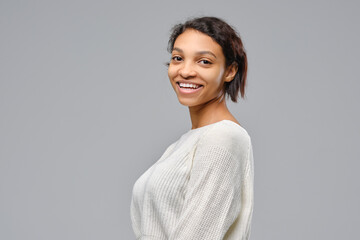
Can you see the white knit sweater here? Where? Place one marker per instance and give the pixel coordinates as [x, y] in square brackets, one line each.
[200, 189]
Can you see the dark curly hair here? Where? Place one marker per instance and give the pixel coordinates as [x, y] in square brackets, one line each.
[230, 42]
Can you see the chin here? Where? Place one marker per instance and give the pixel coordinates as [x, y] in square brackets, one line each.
[185, 103]
[188, 102]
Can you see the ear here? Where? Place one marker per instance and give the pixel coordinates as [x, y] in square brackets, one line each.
[231, 72]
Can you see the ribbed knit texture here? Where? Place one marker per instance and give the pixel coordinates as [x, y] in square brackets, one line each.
[200, 189]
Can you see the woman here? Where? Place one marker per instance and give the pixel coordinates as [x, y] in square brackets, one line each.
[202, 186]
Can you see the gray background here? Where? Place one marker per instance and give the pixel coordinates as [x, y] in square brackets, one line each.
[86, 107]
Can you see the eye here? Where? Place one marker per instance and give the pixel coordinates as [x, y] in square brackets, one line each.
[176, 58]
[204, 61]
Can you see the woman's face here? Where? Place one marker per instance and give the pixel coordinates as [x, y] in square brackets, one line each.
[197, 69]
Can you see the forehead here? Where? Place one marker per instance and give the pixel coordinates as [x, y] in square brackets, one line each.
[193, 41]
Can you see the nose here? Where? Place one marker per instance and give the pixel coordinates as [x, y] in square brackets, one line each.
[187, 70]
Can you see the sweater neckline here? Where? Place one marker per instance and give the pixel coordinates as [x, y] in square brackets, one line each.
[211, 124]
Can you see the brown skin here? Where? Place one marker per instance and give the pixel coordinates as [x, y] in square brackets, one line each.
[197, 58]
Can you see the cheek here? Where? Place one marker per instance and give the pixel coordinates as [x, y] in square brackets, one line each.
[213, 77]
[171, 72]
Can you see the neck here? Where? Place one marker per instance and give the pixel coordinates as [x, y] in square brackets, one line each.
[209, 112]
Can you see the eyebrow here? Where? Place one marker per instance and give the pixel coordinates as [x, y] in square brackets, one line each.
[197, 53]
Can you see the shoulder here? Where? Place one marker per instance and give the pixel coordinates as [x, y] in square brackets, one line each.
[228, 135]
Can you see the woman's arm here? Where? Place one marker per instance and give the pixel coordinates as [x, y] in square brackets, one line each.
[214, 197]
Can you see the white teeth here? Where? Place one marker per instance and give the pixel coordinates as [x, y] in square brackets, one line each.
[189, 85]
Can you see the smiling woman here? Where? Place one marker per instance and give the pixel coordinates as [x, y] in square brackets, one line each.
[202, 186]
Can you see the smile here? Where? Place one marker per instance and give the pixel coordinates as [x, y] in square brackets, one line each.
[188, 88]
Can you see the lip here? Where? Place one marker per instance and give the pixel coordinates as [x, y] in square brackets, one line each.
[188, 91]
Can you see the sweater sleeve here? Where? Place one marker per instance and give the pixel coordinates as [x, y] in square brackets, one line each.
[213, 196]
